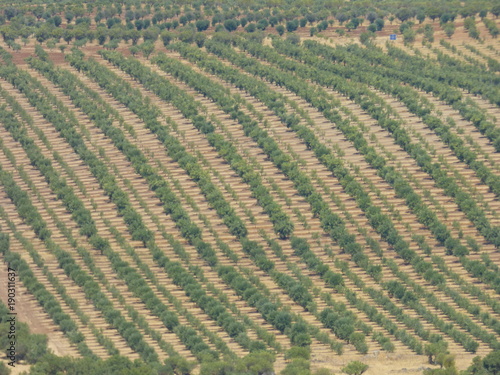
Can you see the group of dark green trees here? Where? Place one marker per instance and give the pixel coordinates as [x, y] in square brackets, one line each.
[132, 21]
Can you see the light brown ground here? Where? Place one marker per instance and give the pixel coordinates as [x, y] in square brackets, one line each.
[28, 311]
[379, 362]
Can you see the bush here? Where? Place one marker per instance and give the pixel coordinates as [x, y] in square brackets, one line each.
[202, 25]
[177, 365]
[355, 368]
[29, 347]
[380, 24]
[147, 49]
[291, 26]
[388, 346]
[4, 370]
[358, 340]
[282, 320]
[404, 14]
[199, 39]
[251, 28]
[187, 35]
[231, 25]
[134, 50]
[365, 37]
[409, 36]
[298, 366]
[262, 24]
[293, 38]
[166, 37]
[298, 352]
[432, 351]
[492, 362]
[259, 362]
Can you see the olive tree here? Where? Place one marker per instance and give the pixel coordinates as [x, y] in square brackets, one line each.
[355, 368]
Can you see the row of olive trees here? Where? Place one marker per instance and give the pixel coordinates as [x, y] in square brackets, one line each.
[282, 320]
[335, 164]
[420, 261]
[422, 109]
[97, 273]
[377, 295]
[44, 297]
[492, 27]
[17, 110]
[137, 284]
[29, 347]
[260, 258]
[256, 252]
[81, 278]
[462, 152]
[472, 289]
[313, 262]
[24, 206]
[82, 99]
[199, 58]
[190, 109]
[421, 266]
[220, 15]
[58, 185]
[281, 222]
[446, 78]
[23, 25]
[334, 280]
[471, 113]
[331, 222]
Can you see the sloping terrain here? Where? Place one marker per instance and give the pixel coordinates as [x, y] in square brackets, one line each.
[211, 201]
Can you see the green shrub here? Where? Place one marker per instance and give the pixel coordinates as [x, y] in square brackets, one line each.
[355, 368]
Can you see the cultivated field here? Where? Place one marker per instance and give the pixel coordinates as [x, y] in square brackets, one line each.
[211, 201]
